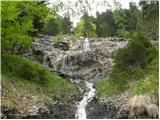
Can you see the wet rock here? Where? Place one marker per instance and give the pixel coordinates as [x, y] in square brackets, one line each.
[100, 110]
[8, 112]
[62, 45]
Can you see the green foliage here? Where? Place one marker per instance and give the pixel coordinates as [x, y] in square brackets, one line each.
[105, 24]
[31, 77]
[52, 26]
[136, 69]
[120, 20]
[149, 84]
[58, 25]
[19, 20]
[148, 19]
[85, 27]
[109, 87]
[17, 66]
[65, 26]
[55, 87]
[138, 53]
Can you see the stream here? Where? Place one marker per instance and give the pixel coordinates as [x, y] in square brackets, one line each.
[88, 96]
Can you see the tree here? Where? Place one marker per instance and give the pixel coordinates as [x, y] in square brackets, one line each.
[131, 17]
[65, 26]
[51, 27]
[119, 17]
[18, 24]
[150, 17]
[105, 24]
[85, 27]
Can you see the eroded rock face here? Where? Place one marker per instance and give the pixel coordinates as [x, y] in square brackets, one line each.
[71, 60]
[109, 108]
[123, 107]
[43, 108]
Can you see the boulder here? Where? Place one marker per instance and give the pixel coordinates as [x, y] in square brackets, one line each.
[62, 45]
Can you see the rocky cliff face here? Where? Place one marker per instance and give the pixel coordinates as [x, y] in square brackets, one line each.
[70, 60]
[41, 108]
[123, 107]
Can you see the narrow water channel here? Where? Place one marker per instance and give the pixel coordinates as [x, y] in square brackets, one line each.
[88, 96]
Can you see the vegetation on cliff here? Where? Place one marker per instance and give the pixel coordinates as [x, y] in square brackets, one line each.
[135, 69]
[136, 66]
[24, 76]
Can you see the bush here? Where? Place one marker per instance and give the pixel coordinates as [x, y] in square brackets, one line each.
[17, 66]
[137, 64]
[138, 53]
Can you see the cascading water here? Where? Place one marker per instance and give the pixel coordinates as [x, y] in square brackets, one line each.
[86, 45]
[81, 113]
[64, 68]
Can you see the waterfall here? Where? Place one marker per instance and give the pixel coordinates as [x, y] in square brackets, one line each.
[86, 45]
[81, 113]
[64, 68]
[88, 96]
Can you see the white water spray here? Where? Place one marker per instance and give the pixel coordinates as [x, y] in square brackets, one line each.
[64, 67]
[86, 45]
[81, 112]
[88, 96]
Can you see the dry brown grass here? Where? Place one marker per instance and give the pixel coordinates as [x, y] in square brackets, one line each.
[143, 104]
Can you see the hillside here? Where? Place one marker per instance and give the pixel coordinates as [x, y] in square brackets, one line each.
[80, 59]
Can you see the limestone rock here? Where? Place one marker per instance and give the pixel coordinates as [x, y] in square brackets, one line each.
[70, 60]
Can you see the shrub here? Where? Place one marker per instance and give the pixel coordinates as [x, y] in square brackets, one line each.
[137, 64]
[17, 66]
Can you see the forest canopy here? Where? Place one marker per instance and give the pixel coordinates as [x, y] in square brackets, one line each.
[22, 20]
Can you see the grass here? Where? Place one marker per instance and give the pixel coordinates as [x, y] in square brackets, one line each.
[15, 82]
[146, 83]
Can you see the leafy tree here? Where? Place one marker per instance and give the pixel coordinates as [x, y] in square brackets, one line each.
[150, 17]
[137, 55]
[14, 27]
[85, 27]
[119, 17]
[132, 19]
[51, 27]
[40, 13]
[105, 24]
[18, 23]
[65, 26]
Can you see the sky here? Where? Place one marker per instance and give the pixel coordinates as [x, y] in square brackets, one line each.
[96, 5]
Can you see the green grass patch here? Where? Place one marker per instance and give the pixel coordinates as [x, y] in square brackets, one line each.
[33, 78]
[149, 84]
[27, 70]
